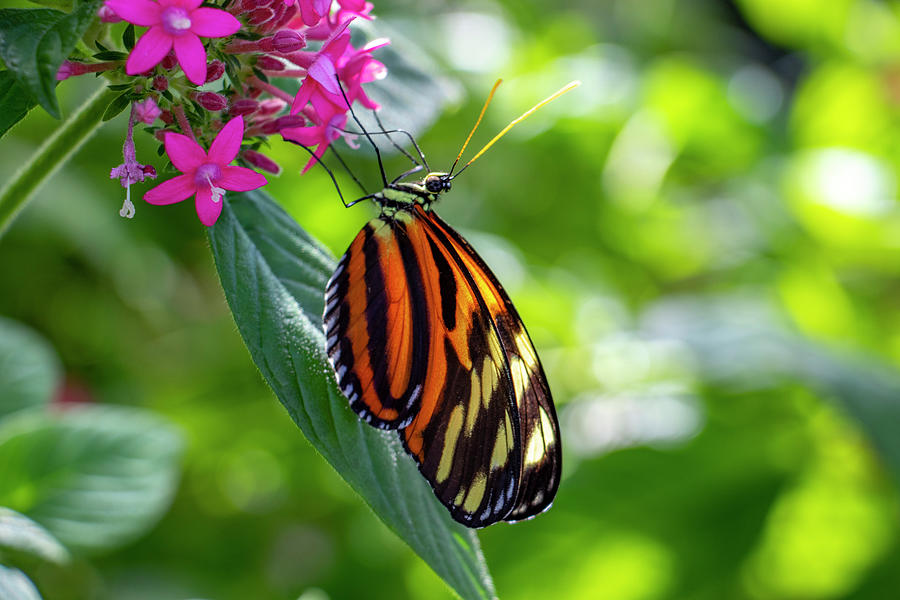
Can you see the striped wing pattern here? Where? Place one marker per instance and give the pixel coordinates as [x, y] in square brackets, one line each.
[423, 339]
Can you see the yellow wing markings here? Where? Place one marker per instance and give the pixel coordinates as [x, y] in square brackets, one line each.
[450, 437]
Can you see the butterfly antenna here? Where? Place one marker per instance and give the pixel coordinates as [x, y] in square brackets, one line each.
[409, 136]
[477, 123]
[327, 170]
[515, 121]
[387, 134]
[347, 168]
[363, 129]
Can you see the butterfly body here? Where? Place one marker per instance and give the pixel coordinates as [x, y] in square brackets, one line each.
[424, 340]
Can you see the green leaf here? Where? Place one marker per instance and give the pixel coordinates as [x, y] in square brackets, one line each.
[34, 43]
[15, 101]
[118, 104]
[21, 534]
[274, 276]
[110, 55]
[29, 368]
[95, 476]
[65, 5]
[128, 37]
[14, 585]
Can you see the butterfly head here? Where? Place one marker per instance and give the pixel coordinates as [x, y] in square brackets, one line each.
[436, 183]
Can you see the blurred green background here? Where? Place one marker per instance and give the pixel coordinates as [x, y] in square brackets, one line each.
[703, 240]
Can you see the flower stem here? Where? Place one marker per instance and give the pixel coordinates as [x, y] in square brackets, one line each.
[277, 92]
[51, 155]
[183, 121]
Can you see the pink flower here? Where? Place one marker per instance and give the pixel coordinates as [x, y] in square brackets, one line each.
[206, 176]
[147, 111]
[320, 85]
[173, 23]
[312, 11]
[355, 6]
[358, 67]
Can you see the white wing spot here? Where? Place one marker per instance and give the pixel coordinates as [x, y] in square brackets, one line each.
[415, 394]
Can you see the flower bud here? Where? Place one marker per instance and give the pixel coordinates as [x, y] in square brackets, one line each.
[211, 101]
[272, 22]
[289, 121]
[108, 15]
[287, 41]
[169, 61]
[289, 13]
[160, 83]
[271, 106]
[269, 63]
[268, 127]
[66, 69]
[167, 117]
[215, 70]
[260, 16]
[147, 111]
[243, 106]
[149, 171]
[261, 161]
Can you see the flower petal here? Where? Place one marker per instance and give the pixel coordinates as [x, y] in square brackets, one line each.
[191, 56]
[323, 71]
[315, 158]
[140, 12]
[172, 191]
[149, 50]
[241, 179]
[303, 94]
[305, 136]
[213, 23]
[207, 210]
[227, 144]
[185, 153]
[185, 4]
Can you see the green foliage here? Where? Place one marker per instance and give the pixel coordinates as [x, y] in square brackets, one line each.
[34, 43]
[86, 479]
[16, 586]
[96, 477]
[15, 101]
[702, 240]
[29, 368]
[274, 276]
[19, 534]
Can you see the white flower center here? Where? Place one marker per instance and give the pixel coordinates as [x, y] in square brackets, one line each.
[209, 174]
[176, 20]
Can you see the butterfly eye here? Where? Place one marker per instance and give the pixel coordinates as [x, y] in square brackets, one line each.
[434, 185]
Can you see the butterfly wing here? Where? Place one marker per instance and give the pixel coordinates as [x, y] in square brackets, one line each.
[423, 339]
[376, 325]
[465, 437]
[540, 450]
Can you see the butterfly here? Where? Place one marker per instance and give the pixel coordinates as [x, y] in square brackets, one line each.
[424, 340]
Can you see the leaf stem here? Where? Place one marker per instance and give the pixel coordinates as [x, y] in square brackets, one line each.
[51, 155]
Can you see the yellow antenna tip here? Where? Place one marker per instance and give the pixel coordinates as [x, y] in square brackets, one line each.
[569, 86]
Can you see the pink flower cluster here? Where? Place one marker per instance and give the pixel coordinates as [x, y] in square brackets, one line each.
[303, 40]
